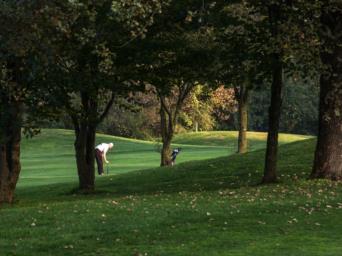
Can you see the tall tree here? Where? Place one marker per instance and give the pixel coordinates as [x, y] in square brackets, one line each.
[92, 66]
[242, 93]
[292, 43]
[173, 83]
[289, 51]
[21, 63]
[276, 19]
[170, 107]
[328, 155]
[273, 40]
[175, 57]
[241, 58]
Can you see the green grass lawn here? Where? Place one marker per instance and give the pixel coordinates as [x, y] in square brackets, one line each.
[208, 207]
[256, 140]
[49, 157]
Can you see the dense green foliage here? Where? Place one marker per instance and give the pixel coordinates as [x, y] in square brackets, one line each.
[299, 111]
[77, 58]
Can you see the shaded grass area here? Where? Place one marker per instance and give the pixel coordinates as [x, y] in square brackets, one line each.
[209, 207]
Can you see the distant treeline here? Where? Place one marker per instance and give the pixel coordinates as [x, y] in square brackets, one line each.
[299, 114]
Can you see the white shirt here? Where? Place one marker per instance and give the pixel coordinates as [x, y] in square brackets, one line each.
[103, 147]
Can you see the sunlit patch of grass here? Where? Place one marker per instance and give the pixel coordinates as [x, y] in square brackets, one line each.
[256, 140]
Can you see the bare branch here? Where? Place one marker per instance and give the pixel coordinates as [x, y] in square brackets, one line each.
[163, 104]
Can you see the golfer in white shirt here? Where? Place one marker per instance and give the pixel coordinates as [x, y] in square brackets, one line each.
[100, 155]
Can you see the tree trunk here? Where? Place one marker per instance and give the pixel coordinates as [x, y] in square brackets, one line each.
[166, 127]
[166, 153]
[328, 155]
[168, 120]
[85, 131]
[84, 147]
[243, 118]
[10, 151]
[270, 171]
[196, 126]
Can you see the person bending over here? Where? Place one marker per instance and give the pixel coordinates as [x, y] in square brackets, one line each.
[174, 154]
[100, 155]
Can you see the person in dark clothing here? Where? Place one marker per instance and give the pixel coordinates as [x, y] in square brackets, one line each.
[174, 154]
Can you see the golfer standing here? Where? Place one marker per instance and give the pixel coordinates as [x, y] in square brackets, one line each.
[100, 155]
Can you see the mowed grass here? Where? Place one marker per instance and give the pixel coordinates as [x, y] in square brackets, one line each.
[50, 157]
[256, 140]
[208, 207]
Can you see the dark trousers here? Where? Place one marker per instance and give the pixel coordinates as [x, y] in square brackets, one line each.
[99, 161]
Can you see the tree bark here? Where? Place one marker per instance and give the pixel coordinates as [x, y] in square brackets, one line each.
[85, 122]
[328, 155]
[270, 171]
[166, 126]
[10, 150]
[196, 126]
[166, 153]
[84, 148]
[243, 96]
[85, 132]
[168, 119]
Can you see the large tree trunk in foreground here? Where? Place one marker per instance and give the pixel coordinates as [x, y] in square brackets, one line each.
[328, 155]
[10, 150]
[85, 131]
[84, 147]
[270, 171]
[243, 95]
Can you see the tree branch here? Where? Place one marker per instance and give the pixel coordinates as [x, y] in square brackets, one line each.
[107, 108]
[72, 114]
[163, 104]
[183, 93]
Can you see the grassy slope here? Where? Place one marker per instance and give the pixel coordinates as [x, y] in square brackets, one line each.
[256, 140]
[210, 207]
[49, 157]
